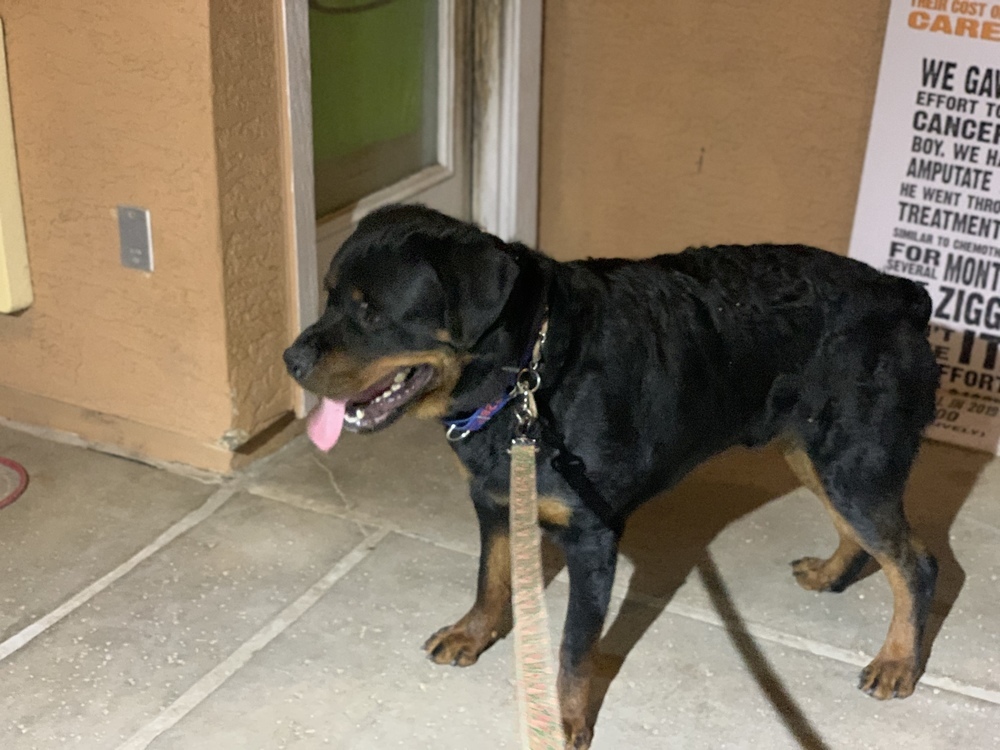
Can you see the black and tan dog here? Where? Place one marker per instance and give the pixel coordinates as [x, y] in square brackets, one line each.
[649, 367]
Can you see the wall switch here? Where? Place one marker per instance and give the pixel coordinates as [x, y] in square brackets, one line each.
[136, 236]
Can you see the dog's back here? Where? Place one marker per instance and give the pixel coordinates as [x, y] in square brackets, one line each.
[731, 345]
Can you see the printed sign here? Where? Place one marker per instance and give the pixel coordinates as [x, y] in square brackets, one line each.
[929, 204]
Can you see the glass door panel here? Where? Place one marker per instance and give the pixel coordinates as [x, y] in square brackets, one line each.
[375, 73]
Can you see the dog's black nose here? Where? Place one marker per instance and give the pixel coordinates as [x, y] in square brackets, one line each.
[299, 360]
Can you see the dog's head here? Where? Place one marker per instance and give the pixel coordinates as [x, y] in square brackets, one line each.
[410, 293]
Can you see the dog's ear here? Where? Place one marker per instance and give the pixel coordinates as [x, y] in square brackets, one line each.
[477, 275]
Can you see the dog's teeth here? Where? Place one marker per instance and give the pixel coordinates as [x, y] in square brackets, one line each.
[400, 377]
[395, 387]
[359, 413]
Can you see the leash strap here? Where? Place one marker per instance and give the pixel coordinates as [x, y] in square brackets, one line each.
[541, 722]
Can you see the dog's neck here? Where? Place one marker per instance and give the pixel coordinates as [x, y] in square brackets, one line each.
[500, 353]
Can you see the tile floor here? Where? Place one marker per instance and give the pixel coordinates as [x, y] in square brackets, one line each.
[285, 608]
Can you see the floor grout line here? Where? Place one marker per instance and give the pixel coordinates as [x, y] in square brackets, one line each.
[353, 516]
[809, 646]
[20, 639]
[62, 437]
[218, 675]
[344, 511]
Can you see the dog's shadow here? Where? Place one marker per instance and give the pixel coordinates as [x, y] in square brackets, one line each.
[668, 538]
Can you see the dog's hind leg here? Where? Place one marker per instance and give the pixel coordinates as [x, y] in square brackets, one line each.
[842, 567]
[912, 572]
[865, 398]
[591, 558]
[868, 511]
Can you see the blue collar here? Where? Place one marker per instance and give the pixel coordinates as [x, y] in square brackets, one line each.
[460, 428]
[464, 426]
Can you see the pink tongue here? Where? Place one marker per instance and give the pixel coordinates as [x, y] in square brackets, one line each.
[325, 423]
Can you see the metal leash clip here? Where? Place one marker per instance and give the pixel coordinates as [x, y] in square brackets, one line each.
[526, 410]
[528, 381]
[454, 434]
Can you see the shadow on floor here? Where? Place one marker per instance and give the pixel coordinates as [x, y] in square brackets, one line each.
[668, 538]
[941, 481]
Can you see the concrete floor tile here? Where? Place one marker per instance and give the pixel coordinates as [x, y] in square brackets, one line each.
[100, 674]
[351, 673]
[690, 685]
[405, 476]
[83, 514]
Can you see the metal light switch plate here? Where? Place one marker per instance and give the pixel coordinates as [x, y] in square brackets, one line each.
[136, 236]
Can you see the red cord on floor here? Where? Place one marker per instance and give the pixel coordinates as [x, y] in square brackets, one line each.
[22, 481]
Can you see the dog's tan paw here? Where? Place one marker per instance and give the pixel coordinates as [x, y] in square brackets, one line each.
[889, 678]
[458, 645]
[813, 574]
[578, 734]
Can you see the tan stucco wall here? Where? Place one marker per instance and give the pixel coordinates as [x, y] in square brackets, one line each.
[255, 208]
[113, 104]
[703, 121]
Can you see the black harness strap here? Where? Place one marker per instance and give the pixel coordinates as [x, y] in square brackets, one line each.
[572, 468]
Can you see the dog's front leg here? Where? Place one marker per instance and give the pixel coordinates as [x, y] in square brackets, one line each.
[590, 559]
[490, 617]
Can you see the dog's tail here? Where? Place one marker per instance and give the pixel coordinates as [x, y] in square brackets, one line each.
[909, 298]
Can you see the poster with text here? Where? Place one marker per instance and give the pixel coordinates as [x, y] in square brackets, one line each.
[929, 203]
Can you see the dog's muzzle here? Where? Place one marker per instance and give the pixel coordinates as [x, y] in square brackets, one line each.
[300, 360]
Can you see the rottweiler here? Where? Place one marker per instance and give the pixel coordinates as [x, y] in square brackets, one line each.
[648, 368]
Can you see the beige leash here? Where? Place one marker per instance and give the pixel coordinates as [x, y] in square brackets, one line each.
[541, 721]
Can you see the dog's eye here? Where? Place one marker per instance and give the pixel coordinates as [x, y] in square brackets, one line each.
[367, 315]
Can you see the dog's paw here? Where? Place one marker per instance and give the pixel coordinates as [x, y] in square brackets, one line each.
[889, 678]
[578, 734]
[458, 645]
[814, 574]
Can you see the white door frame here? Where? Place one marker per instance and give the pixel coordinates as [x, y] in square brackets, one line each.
[505, 182]
[505, 177]
[299, 154]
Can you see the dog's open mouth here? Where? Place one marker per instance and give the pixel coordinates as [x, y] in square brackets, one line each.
[373, 408]
[380, 403]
